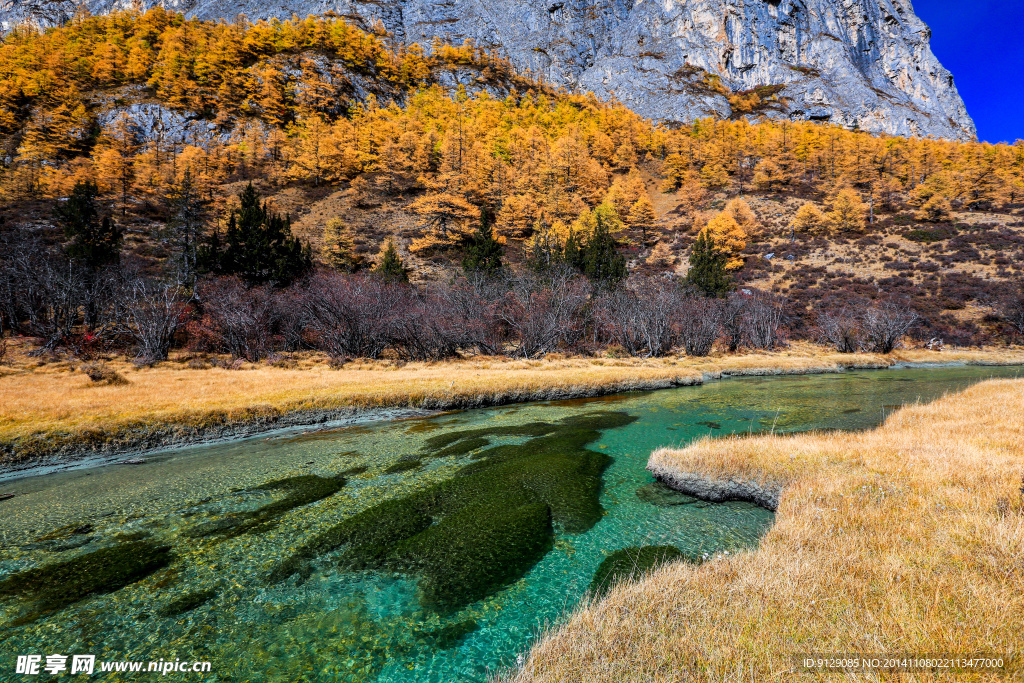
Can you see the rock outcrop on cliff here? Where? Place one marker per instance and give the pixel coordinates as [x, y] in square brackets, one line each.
[864, 63]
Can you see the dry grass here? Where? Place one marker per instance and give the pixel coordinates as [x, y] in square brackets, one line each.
[905, 539]
[44, 406]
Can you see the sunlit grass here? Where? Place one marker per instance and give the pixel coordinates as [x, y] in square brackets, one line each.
[905, 539]
[48, 405]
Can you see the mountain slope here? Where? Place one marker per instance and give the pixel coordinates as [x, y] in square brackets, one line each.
[863, 63]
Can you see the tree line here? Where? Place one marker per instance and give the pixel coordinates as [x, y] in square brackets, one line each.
[256, 291]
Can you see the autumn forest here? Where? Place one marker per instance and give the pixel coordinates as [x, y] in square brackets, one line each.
[427, 163]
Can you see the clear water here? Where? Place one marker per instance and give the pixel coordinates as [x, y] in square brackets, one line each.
[369, 626]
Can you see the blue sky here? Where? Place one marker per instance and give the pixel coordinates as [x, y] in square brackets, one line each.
[982, 43]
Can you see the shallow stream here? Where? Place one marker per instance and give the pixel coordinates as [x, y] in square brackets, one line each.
[421, 550]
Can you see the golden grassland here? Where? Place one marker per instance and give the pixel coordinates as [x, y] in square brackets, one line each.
[53, 406]
[905, 539]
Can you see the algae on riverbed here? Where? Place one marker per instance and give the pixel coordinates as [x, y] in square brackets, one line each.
[54, 586]
[301, 490]
[632, 563]
[487, 525]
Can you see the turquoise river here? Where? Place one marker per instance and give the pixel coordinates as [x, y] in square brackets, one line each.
[433, 549]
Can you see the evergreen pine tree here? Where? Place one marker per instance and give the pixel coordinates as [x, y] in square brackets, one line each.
[598, 257]
[189, 212]
[389, 266]
[573, 250]
[483, 251]
[95, 242]
[258, 245]
[708, 267]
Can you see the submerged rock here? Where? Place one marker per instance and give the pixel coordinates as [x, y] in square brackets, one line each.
[630, 563]
[663, 496]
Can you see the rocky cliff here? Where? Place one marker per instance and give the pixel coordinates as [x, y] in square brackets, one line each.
[864, 63]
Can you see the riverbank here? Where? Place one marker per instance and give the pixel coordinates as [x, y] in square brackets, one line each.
[51, 411]
[905, 539]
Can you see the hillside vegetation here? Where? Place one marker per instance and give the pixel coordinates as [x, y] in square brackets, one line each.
[361, 144]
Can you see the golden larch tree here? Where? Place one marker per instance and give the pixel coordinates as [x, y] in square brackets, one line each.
[728, 237]
[847, 210]
[809, 219]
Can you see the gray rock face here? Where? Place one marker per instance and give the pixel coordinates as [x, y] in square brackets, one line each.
[851, 62]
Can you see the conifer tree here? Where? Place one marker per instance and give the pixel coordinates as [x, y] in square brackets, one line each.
[808, 218]
[546, 247]
[389, 264]
[641, 217]
[95, 241]
[935, 210]
[714, 176]
[483, 251]
[446, 216]
[115, 163]
[625, 155]
[728, 237]
[189, 212]
[708, 271]
[258, 245]
[847, 210]
[572, 252]
[598, 256]
[743, 215]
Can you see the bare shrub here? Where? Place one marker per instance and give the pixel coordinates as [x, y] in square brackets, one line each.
[290, 319]
[840, 329]
[353, 316]
[734, 319]
[49, 295]
[446, 318]
[1011, 310]
[473, 302]
[46, 295]
[545, 312]
[235, 319]
[639, 316]
[616, 314]
[152, 312]
[762, 321]
[3, 349]
[103, 374]
[700, 323]
[885, 324]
